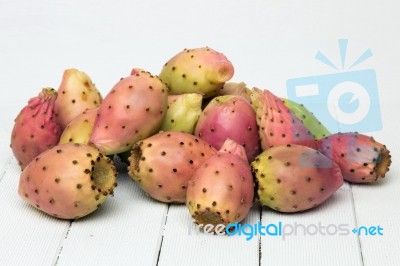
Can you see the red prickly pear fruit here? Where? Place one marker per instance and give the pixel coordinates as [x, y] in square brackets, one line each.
[68, 181]
[317, 129]
[183, 112]
[293, 178]
[80, 128]
[234, 88]
[163, 164]
[199, 70]
[231, 117]
[133, 110]
[35, 129]
[277, 124]
[76, 94]
[361, 158]
[221, 190]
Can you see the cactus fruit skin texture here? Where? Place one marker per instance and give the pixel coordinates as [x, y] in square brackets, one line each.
[293, 178]
[75, 94]
[361, 158]
[163, 164]
[277, 124]
[68, 181]
[35, 129]
[133, 110]
[199, 70]
[235, 88]
[80, 128]
[183, 112]
[317, 129]
[231, 117]
[221, 190]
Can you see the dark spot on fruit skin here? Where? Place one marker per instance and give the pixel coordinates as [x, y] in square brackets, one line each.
[204, 190]
[150, 170]
[352, 170]
[97, 197]
[51, 201]
[278, 181]
[227, 211]
[74, 162]
[36, 191]
[163, 153]
[198, 206]
[87, 171]
[293, 192]
[78, 186]
[174, 170]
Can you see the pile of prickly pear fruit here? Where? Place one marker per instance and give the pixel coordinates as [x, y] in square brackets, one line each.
[188, 136]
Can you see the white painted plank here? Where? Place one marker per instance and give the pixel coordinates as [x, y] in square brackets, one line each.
[181, 246]
[27, 236]
[126, 230]
[315, 249]
[378, 203]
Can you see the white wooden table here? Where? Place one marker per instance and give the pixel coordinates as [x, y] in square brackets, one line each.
[268, 42]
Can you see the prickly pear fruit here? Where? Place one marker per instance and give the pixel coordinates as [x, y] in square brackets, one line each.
[75, 94]
[133, 110]
[35, 129]
[317, 129]
[163, 164]
[80, 128]
[221, 190]
[277, 124]
[231, 117]
[199, 70]
[68, 181]
[234, 88]
[183, 112]
[293, 178]
[361, 158]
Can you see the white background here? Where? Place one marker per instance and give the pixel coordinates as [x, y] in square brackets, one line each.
[268, 42]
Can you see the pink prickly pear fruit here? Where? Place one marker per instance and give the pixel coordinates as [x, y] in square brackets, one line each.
[183, 112]
[361, 158]
[76, 94]
[277, 124]
[35, 129]
[231, 117]
[235, 88]
[221, 190]
[163, 164]
[199, 70]
[68, 181]
[80, 128]
[133, 110]
[293, 178]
